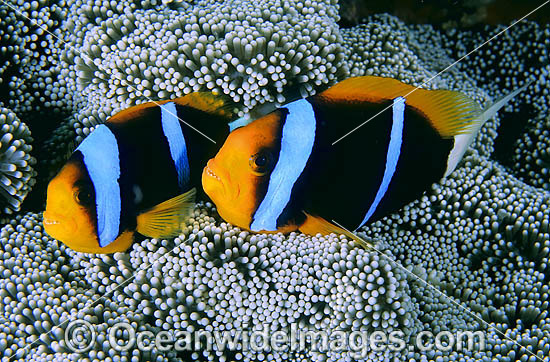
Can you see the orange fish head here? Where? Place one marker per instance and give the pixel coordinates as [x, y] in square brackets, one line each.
[70, 209]
[236, 179]
[70, 215]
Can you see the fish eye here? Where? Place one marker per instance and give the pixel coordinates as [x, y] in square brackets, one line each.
[83, 196]
[260, 162]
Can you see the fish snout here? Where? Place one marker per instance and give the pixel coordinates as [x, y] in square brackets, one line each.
[48, 219]
[212, 183]
[209, 170]
[57, 225]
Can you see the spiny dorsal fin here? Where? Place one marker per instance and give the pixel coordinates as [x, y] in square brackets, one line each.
[132, 112]
[450, 113]
[168, 218]
[365, 89]
[317, 225]
[218, 104]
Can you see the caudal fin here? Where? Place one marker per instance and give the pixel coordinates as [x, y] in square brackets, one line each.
[463, 141]
[490, 111]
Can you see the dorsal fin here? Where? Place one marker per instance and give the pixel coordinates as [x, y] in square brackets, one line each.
[365, 89]
[132, 112]
[218, 104]
[450, 113]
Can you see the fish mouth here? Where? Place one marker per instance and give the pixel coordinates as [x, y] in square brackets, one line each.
[211, 173]
[54, 224]
[48, 220]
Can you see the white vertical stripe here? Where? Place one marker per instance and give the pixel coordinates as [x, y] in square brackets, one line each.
[176, 141]
[100, 151]
[394, 150]
[296, 144]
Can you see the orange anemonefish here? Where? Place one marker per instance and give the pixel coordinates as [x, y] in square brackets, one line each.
[282, 172]
[136, 172]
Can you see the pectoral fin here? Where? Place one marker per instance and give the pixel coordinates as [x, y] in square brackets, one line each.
[168, 218]
[317, 225]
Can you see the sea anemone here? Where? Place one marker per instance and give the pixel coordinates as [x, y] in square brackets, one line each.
[126, 54]
[16, 172]
[470, 255]
[214, 277]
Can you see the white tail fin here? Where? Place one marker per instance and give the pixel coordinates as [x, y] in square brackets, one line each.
[490, 111]
[463, 141]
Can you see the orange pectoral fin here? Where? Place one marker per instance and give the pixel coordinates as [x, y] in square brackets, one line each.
[167, 218]
[317, 225]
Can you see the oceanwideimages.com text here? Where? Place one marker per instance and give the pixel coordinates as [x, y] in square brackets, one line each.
[81, 336]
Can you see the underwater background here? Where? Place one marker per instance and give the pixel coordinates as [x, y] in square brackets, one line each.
[471, 255]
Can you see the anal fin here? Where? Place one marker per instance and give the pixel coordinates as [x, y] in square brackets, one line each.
[317, 225]
[168, 218]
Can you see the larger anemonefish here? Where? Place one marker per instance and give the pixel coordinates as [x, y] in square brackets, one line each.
[136, 172]
[282, 172]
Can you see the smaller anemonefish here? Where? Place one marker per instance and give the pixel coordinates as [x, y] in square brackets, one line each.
[284, 171]
[136, 172]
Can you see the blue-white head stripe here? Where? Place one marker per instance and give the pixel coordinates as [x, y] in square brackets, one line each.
[296, 144]
[394, 150]
[100, 153]
[176, 141]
